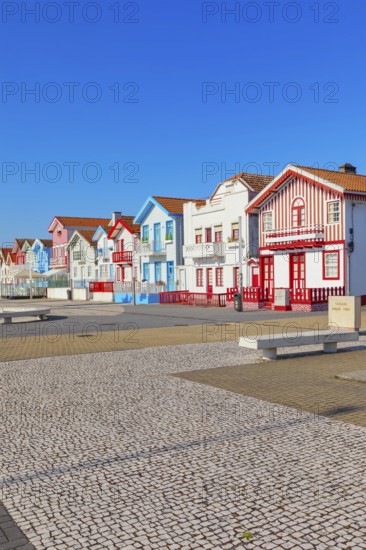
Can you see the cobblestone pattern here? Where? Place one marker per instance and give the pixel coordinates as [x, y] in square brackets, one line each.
[107, 451]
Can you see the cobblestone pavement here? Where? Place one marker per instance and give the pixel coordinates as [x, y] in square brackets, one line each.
[109, 451]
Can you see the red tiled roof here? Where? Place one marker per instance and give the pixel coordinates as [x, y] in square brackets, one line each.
[174, 205]
[350, 182]
[69, 221]
[47, 242]
[88, 235]
[256, 181]
[128, 220]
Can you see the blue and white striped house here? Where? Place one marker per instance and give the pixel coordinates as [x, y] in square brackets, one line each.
[161, 221]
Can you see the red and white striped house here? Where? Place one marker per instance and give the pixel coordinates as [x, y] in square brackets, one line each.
[312, 226]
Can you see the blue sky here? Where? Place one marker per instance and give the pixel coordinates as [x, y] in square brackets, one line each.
[171, 129]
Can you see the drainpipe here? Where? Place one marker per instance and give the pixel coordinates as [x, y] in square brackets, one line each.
[240, 289]
[350, 249]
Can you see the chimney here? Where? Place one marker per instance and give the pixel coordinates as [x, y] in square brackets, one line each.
[115, 217]
[348, 169]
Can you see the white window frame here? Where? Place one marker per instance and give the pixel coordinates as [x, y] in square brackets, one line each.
[329, 213]
[269, 214]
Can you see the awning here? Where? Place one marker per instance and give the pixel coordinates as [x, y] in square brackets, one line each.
[55, 272]
[26, 274]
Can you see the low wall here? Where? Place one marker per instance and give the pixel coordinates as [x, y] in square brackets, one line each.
[323, 306]
[253, 305]
[102, 296]
[57, 293]
[80, 294]
[140, 298]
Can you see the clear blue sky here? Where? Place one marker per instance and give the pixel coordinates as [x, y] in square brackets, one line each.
[173, 129]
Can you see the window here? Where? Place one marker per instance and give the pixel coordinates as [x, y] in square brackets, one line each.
[333, 212]
[331, 265]
[219, 276]
[146, 272]
[75, 272]
[234, 231]
[218, 234]
[145, 233]
[199, 277]
[267, 221]
[198, 234]
[208, 235]
[120, 245]
[157, 271]
[89, 271]
[169, 231]
[298, 213]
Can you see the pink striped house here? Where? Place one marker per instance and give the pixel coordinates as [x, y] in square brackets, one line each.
[312, 224]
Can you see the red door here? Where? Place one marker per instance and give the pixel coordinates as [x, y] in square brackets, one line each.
[209, 281]
[297, 275]
[268, 276]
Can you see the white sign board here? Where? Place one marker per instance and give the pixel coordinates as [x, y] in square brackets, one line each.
[345, 312]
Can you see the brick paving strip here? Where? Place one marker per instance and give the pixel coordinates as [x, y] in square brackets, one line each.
[43, 345]
[309, 383]
[11, 537]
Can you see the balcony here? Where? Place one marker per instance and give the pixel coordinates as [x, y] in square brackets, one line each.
[124, 257]
[309, 235]
[58, 261]
[204, 250]
[153, 248]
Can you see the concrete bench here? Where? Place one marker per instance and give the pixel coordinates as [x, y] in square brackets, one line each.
[9, 314]
[328, 338]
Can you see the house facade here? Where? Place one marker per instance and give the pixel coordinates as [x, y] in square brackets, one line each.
[82, 255]
[125, 239]
[161, 236]
[42, 249]
[104, 252]
[20, 249]
[312, 223]
[211, 248]
[62, 228]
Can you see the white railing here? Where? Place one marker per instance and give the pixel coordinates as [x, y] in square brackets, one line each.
[204, 250]
[290, 234]
[152, 248]
[140, 288]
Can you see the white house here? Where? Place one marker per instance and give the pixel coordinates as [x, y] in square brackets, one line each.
[312, 237]
[104, 251]
[125, 239]
[211, 237]
[82, 259]
[161, 221]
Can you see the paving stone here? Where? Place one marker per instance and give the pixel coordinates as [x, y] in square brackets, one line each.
[109, 451]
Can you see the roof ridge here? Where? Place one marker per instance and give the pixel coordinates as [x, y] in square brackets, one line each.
[328, 170]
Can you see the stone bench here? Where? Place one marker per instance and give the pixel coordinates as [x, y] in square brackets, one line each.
[328, 338]
[9, 314]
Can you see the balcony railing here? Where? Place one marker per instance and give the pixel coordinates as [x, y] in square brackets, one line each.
[312, 233]
[124, 257]
[153, 248]
[77, 256]
[58, 261]
[204, 250]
